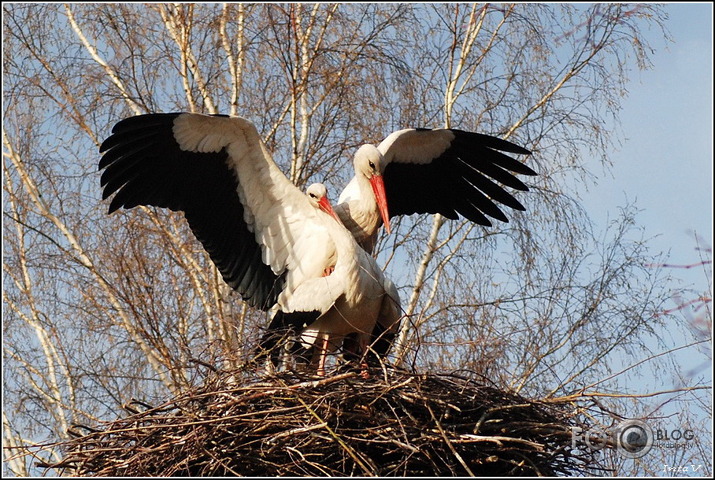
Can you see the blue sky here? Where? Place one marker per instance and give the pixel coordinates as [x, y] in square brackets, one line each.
[665, 164]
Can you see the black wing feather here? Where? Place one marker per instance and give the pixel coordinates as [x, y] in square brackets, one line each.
[143, 165]
[467, 179]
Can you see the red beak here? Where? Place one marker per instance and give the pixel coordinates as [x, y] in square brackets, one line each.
[378, 186]
[325, 206]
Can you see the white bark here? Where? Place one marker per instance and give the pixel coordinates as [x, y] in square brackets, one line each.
[113, 76]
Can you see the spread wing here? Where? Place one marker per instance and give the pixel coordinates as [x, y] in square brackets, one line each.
[258, 228]
[451, 172]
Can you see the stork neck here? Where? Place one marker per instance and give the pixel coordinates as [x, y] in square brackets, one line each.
[345, 245]
[365, 188]
[347, 263]
[362, 219]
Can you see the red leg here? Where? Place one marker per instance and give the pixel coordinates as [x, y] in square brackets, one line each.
[363, 365]
[323, 355]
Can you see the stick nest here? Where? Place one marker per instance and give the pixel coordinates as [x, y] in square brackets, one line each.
[394, 423]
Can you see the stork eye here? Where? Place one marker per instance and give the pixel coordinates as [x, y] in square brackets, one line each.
[372, 165]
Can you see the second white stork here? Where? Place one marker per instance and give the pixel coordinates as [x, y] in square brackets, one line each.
[265, 237]
[447, 171]
[364, 303]
[387, 323]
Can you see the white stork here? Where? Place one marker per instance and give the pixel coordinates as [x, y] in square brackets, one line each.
[387, 323]
[270, 243]
[444, 171]
[368, 311]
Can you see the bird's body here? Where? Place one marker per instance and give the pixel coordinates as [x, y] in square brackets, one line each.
[446, 171]
[267, 239]
[370, 302]
[273, 245]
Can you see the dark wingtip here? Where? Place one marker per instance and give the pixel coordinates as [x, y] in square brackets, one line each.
[103, 147]
[519, 150]
[528, 171]
[114, 205]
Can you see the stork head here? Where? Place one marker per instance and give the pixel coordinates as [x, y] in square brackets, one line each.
[370, 164]
[318, 197]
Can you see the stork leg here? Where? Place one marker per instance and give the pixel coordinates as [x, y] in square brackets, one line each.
[355, 349]
[363, 339]
[323, 356]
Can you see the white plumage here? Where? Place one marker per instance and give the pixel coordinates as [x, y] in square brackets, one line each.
[364, 297]
[446, 171]
[274, 245]
[269, 241]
